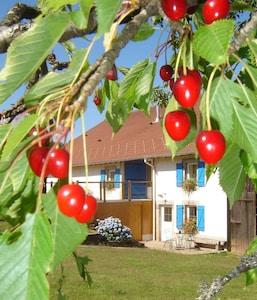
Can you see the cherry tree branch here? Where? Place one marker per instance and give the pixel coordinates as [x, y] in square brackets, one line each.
[208, 291]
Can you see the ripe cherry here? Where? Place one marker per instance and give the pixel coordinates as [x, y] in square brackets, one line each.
[39, 132]
[88, 210]
[196, 74]
[58, 163]
[214, 10]
[112, 74]
[211, 146]
[186, 90]
[37, 158]
[171, 84]
[174, 9]
[166, 72]
[97, 100]
[70, 199]
[177, 124]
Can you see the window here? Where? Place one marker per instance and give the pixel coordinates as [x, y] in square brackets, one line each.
[111, 176]
[190, 211]
[191, 169]
[167, 214]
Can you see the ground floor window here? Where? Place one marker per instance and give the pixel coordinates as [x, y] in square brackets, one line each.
[190, 212]
[167, 214]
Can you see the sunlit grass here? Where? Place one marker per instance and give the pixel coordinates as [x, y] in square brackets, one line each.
[136, 273]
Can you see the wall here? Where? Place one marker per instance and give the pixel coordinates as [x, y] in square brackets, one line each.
[211, 196]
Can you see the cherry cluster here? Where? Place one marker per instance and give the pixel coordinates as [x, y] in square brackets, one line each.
[186, 90]
[213, 10]
[74, 202]
[71, 198]
[58, 161]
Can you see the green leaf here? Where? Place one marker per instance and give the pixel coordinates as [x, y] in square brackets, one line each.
[25, 258]
[221, 110]
[55, 5]
[68, 234]
[171, 144]
[106, 12]
[251, 275]
[145, 31]
[78, 18]
[19, 173]
[127, 85]
[241, 5]
[118, 107]
[101, 93]
[212, 41]
[231, 174]
[27, 52]
[250, 167]
[54, 82]
[144, 86]
[86, 6]
[245, 115]
[81, 265]
[19, 132]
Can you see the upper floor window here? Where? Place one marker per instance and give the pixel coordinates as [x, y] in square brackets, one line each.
[191, 169]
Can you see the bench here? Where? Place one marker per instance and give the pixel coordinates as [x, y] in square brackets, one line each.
[207, 242]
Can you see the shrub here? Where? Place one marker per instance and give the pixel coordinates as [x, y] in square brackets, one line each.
[111, 229]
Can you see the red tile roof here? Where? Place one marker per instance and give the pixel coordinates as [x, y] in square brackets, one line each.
[140, 137]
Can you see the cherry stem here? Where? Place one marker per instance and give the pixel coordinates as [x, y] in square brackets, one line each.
[84, 147]
[208, 91]
[178, 58]
[71, 146]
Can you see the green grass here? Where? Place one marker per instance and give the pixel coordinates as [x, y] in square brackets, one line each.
[139, 273]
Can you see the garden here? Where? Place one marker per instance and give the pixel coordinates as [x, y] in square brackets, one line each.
[142, 273]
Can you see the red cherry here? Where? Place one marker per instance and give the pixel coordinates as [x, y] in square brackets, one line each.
[58, 163]
[196, 74]
[112, 74]
[186, 90]
[214, 10]
[88, 210]
[37, 157]
[211, 146]
[177, 124]
[70, 199]
[171, 84]
[39, 132]
[191, 10]
[97, 100]
[174, 9]
[166, 72]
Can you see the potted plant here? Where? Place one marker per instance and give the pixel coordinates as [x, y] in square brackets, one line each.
[189, 185]
[190, 227]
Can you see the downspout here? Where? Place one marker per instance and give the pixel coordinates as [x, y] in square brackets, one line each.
[153, 195]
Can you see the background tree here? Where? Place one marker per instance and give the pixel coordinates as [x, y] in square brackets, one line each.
[220, 56]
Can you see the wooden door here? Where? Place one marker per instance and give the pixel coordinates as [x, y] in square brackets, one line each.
[243, 220]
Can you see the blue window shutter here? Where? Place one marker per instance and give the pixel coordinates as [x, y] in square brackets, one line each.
[179, 216]
[117, 178]
[179, 173]
[200, 218]
[103, 175]
[201, 173]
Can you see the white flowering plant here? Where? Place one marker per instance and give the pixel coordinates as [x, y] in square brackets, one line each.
[112, 229]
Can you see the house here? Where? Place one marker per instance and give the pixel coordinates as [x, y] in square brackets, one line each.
[133, 177]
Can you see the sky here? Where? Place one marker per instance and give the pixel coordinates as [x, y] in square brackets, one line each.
[130, 55]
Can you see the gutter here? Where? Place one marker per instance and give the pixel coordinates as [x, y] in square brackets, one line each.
[153, 195]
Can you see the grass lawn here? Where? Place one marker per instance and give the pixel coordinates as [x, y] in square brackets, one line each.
[140, 273]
